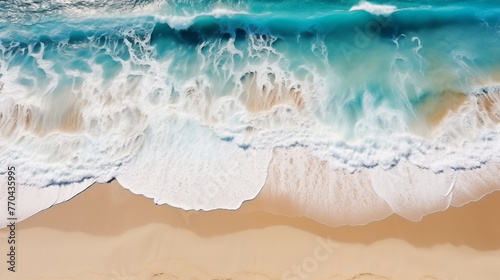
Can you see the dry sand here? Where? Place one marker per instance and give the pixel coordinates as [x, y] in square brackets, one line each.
[107, 232]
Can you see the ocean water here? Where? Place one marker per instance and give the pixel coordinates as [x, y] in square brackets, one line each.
[188, 102]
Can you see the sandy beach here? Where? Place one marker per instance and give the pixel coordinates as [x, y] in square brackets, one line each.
[107, 232]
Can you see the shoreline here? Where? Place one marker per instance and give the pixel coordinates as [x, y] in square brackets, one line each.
[138, 239]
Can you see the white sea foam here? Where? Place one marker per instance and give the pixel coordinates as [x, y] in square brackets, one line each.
[375, 9]
[30, 200]
[202, 171]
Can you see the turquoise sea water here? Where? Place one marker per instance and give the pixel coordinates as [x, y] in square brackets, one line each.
[182, 91]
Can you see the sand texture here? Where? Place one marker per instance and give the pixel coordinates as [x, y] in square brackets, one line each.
[107, 232]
